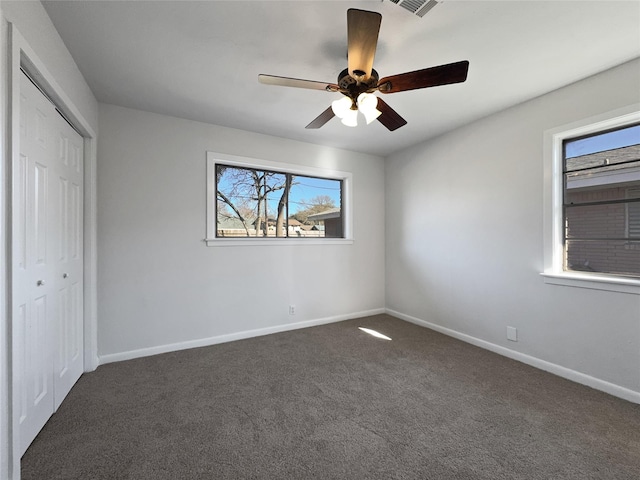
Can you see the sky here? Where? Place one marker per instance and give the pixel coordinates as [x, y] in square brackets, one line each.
[303, 190]
[307, 188]
[606, 141]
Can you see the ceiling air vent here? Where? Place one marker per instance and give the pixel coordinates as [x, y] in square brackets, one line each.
[418, 7]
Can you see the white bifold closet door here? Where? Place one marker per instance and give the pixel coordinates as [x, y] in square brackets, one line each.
[47, 260]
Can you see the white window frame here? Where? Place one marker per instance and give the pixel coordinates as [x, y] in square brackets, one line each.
[553, 218]
[214, 158]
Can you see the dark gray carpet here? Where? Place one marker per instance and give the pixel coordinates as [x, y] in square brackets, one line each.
[331, 402]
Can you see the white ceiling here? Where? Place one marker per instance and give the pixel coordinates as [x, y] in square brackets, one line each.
[200, 60]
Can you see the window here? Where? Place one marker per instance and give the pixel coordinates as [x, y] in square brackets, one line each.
[253, 201]
[592, 202]
[601, 199]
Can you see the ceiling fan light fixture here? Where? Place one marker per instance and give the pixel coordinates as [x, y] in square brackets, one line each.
[341, 107]
[351, 118]
[367, 104]
[371, 116]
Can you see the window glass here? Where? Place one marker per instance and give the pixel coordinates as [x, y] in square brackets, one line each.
[254, 202]
[602, 202]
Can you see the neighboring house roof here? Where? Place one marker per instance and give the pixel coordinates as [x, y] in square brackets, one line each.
[230, 223]
[294, 223]
[607, 157]
[619, 166]
[327, 214]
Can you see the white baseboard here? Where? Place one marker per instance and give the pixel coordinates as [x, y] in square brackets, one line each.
[205, 342]
[596, 383]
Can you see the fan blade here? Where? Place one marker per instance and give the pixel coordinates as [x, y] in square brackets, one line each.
[389, 118]
[362, 38]
[321, 119]
[296, 82]
[427, 77]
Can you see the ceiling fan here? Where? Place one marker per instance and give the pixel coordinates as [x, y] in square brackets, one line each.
[358, 82]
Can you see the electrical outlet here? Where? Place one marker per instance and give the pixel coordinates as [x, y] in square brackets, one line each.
[292, 309]
[512, 334]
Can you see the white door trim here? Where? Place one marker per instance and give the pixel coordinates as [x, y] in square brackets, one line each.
[5, 392]
[22, 55]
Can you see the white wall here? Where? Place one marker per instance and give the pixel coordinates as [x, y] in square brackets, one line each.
[464, 246]
[160, 287]
[32, 22]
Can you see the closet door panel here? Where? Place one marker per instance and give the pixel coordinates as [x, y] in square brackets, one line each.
[33, 246]
[69, 268]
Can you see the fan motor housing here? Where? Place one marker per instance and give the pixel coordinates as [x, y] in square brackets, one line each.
[352, 87]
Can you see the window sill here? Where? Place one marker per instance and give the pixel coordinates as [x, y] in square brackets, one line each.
[253, 242]
[593, 281]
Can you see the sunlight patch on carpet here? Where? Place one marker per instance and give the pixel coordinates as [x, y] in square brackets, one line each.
[374, 333]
